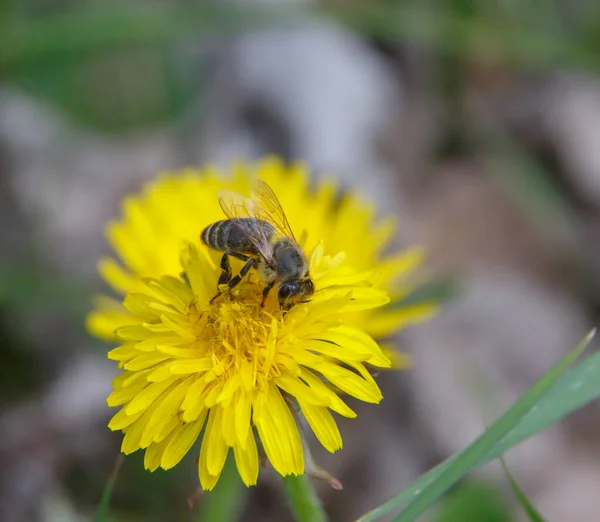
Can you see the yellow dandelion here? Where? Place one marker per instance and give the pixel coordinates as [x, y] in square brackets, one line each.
[244, 373]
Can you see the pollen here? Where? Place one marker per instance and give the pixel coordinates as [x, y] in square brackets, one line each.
[239, 335]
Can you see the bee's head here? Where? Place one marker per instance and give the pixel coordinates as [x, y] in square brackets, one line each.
[290, 294]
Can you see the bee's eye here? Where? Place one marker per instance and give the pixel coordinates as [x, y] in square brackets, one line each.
[309, 287]
[286, 291]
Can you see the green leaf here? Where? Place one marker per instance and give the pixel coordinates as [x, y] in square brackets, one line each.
[529, 415]
[532, 513]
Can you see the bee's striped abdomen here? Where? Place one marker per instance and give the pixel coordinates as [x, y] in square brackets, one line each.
[225, 235]
[216, 235]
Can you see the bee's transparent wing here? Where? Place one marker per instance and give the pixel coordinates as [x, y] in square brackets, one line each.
[269, 209]
[242, 212]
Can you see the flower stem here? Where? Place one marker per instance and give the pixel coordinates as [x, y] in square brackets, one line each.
[304, 502]
[226, 502]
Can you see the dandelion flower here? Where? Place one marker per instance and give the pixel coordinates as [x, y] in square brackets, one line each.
[243, 373]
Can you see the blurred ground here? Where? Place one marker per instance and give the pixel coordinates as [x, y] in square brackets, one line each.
[491, 160]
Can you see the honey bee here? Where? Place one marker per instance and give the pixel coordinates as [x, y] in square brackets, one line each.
[258, 233]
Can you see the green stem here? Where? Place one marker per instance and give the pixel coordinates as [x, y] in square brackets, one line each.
[226, 502]
[304, 502]
[108, 489]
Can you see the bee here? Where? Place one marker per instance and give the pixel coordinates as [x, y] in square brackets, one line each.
[258, 233]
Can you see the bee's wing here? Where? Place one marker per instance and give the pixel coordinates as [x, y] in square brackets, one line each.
[242, 212]
[269, 208]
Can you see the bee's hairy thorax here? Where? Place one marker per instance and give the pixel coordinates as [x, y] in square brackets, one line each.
[290, 263]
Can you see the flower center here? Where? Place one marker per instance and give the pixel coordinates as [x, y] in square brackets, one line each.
[239, 334]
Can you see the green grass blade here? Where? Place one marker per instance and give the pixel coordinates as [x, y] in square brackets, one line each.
[497, 439]
[573, 390]
[102, 512]
[532, 513]
[473, 501]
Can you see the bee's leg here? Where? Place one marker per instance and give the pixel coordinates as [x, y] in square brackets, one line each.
[225, 276]
[265, 293]
[241, 257]
[238, 278]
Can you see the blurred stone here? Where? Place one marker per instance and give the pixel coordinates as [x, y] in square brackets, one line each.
[571, 491]
[316, 93]
[555, 117]
[42, 439]
[468, 219]
[68, 181]
[572, 124]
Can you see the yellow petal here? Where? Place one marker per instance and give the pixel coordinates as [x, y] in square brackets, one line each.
[133, 433]
[195, 409]
[173, 291]
[246, 460]
[123, 353]
[357, 341]
[194, 393]
[121, 420]
[135, 257]
[148, 395]
[229, 389]
[207, 481]
[343, 276]
[200, 273]
[147, 360]
[167, 429]
[154, 454]
[213, 451]
[362, 298]
[156, 343]
[125, 394]
[298, 389]
[323, 425]
[191, 366]
[181, 442]
[180, 353]
[335, 402]
[160, 372]
[108, 316]
[180, 328]
[138, 333]
[228, 425]
[137, 304]
[398, 359]
[243, 410]
[120, 280]
[328, 345]
[389, 321]
[346, 380]
[217, 448]
[279, 434]
[167, 407]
